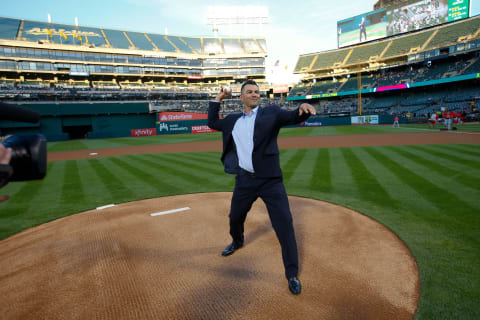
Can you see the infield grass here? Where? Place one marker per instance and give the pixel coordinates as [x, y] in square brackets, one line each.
[427, 195]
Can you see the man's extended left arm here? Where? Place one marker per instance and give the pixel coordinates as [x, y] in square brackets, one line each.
[301, 114]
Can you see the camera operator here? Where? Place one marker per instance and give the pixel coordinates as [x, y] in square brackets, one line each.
[23, 157]
[5, 156]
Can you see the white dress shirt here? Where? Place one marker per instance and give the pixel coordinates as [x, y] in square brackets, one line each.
[243, 137]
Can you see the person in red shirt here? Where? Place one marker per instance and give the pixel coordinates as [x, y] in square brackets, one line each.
[395, 122]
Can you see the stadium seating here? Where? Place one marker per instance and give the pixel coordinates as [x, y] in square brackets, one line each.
[327, 59]
[177, 42]
[9, 28]
[449, 34]
[304, 62]
[212, 45]
[117, 39]
[364, 52]
[402, 45]
[324, 86]
[194, 43]
[162, 43]
[140, 41]
[232, 46]
[473, 68]
[251, 45]
[263, 44]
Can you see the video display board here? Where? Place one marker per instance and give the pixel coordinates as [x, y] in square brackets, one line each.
[409, 16]
[364, 27]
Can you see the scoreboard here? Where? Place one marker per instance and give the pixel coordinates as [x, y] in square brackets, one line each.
[410, 15]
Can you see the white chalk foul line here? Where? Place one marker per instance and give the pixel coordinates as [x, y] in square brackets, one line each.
[169, 211]
[105, 207]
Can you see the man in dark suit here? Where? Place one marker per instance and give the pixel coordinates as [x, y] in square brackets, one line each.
[251, 152]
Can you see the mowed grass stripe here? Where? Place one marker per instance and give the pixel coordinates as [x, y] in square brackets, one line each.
[447, 172]
[202, 158]
[145, 176]
[115, 186]
[461, 192]
[292, 164]
[368, 186]
[302, 175]
[461, 149]
[192, 178]
[426, 153]
[429, 191]
[434, 149]
[342, 179]
[72, 188]
[321, 179]
[407, 198]
[178, 159]
[163, 170]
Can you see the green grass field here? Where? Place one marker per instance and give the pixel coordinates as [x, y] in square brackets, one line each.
[428, 195]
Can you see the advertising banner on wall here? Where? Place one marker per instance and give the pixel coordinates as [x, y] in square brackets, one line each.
[189, 126]
[180, 116]
[373, 119]
[143, 132]
[201, 129]
[280, 88]
[173, 127]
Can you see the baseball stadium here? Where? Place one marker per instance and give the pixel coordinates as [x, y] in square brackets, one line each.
[127, 211]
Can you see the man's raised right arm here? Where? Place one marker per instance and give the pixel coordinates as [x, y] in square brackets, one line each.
[214, 121]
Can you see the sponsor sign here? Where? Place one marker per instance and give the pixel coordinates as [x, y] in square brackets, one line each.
[280, 88]
[373, 119]
[201, 129]
[143, 132]
[314, 123]
[172, 128]
[180, 116]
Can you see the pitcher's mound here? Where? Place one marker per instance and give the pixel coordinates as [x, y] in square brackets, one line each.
[123, 263]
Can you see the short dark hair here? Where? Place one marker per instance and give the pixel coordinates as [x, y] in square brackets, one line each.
[248, 82]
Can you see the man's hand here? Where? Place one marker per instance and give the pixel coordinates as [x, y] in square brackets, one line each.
[5, 154]
[306, 108]
[222, 95]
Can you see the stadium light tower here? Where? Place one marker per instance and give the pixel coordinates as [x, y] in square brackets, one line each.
[236, 15]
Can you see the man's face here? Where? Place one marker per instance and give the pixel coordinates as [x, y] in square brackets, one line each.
[250, 96]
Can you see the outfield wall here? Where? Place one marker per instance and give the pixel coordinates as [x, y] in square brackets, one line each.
[111, 120]
[84, 120]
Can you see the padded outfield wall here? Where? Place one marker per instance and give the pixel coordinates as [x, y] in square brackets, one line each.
[84, 120]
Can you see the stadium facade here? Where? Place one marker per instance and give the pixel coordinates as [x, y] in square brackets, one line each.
[411, 74]
[76, 75]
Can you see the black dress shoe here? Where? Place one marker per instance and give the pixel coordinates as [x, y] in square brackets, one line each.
[230, 249]
[294, 285]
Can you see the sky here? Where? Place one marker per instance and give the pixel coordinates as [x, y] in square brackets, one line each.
[294, 27]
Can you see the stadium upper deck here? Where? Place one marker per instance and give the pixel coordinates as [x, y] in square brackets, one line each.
[32, 49]
[453, 38]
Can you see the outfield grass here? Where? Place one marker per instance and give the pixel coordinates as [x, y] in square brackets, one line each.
[428, 195]
[286, 132]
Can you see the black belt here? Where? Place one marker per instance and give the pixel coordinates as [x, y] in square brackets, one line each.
[245, 172]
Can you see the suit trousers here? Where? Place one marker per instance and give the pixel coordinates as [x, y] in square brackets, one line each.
[249, 188]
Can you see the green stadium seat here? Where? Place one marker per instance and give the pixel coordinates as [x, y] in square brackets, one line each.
[450, 33]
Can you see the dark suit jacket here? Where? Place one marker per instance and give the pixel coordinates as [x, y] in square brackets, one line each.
[265, 156]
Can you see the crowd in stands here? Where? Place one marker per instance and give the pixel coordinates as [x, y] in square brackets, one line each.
[400, 75]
